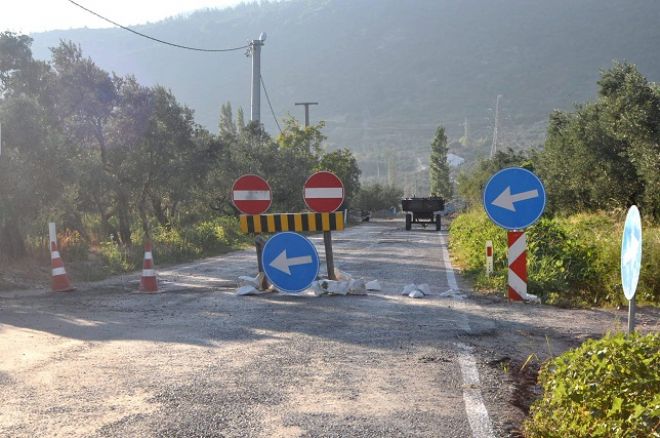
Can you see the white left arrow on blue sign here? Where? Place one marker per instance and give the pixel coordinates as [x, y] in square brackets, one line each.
[283, 263]
[506, 199]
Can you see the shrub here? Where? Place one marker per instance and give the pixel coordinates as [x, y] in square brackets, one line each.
[170, 246]
[72, 245]
[573, 260]
[216, 235]
[117, 259]
[604, 388]
[468, 235]
[378, 197]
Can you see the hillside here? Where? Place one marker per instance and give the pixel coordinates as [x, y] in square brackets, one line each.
[387, 72]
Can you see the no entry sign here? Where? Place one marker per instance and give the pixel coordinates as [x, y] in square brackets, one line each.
[251, 194]
[323, 192]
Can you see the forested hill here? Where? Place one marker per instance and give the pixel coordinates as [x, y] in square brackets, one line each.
[387, 72]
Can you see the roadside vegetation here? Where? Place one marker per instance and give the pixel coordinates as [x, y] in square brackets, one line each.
[572, 261]
[596, 162]
[114, 163]
[605, 388]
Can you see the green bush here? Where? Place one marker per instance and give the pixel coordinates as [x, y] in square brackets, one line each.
[72, 245]
[468, 234]
[558, 259]
[217, 235]
[573, 260]
[171, 246]
[117, 259]
[604, 388]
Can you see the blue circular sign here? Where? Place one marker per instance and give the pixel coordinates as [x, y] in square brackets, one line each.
[290, 262]
[514, 198]
[631, 252]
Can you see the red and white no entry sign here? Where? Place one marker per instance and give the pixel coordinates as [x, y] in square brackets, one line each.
[251, 194]
[324, 192]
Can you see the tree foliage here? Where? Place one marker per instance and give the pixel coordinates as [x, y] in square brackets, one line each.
[471, 182]
[606, 154]
[373, 197]
[107, 157]
[438, 167]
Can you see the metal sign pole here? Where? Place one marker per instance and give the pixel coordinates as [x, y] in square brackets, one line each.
[259, 243]
[327, 240]
[631, 316]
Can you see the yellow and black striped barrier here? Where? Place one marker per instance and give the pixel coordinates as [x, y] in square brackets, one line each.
[271, 223]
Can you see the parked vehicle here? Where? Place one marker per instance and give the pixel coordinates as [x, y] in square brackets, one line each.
[423, 211]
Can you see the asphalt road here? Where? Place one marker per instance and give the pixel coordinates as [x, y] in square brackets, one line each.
[198, 361]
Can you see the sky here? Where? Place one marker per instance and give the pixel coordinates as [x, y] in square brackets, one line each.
[30, 16]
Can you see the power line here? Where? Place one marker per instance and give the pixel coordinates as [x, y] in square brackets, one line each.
[269, 104]
[231, 49]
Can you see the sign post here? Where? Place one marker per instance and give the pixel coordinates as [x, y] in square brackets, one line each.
[324, 193]
[290, 262]
[251, 194]
[631, 261]
[489, 257]
[514, 198]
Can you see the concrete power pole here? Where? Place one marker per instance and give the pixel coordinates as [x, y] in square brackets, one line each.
[493, 146]
[466, 132]
[306, 104]
[255, 103]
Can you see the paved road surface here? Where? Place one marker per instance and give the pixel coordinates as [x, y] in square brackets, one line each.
[198, 361]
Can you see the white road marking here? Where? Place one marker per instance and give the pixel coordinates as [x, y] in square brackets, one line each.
[475, 409]
[474, 404]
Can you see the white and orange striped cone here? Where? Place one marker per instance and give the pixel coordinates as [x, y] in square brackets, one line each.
[60, 281]
[148, 282]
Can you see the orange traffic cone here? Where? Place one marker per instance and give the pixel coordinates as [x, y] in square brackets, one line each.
[60, 281]
[148, 282]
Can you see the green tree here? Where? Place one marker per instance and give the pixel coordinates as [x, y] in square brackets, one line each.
[373, 197]
[297, 155]
[606, 154]
[342, 163]
[439, 168]
[227, 127]
[471, 182]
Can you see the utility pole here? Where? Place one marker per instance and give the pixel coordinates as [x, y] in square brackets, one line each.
[493, 146]
[306, 104]
[466, 132]
[255, 51]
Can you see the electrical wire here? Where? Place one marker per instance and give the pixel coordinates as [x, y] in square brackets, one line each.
[231, 49]
[269, 104]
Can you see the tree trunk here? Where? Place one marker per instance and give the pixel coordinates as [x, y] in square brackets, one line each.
[142, 209]
[159, 212]
[12, 245]
[124, 218]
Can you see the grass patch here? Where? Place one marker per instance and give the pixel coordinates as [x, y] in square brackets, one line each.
[572, 261]
[170, 246]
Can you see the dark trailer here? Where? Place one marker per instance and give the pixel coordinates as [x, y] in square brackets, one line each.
[423, 211]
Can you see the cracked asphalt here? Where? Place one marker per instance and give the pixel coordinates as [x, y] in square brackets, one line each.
[197, 361]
